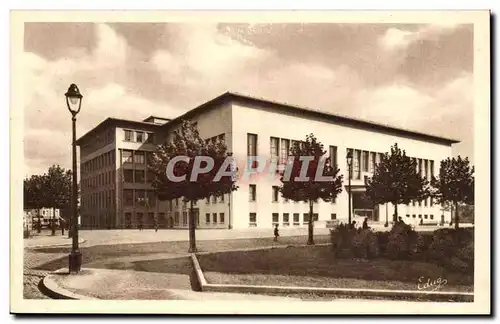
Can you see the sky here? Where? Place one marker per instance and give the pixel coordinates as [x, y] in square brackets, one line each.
[413, 76]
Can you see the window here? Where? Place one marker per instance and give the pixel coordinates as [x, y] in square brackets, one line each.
[419, 216]
[128, 135]
[207, 218]
[252, 192]
[306, 218]
[176, 218]
[431, 201]
[151, 176]
[214, 199]
[407, 215]
[365, 161]
[275, 193]
[431, 166]
[127, 156]
[274, 148]
[356, 162]
[296, 219]
[431, 216]
[285, 150]
[413, 202]
[420, 167]
[333, 157]
[214, 215]
[139, 158]
[276, 218]
[150, 138]
[128, 175]
[414, 216]
[128, 220]
[420, 203]
[425, 202]
[222, 198]
[372, 162]
[221, 217]
[286, 219]
[426, 169]
[425, 216]
[252, 217]
[139, 137]
[184, 218]
[252, 149]
[315, 217]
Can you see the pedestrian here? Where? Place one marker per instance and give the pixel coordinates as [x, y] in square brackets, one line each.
[276, 233]
[353, 224]
[365, 223]
[156, 226]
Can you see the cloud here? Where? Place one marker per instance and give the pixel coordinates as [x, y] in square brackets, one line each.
[99, 74]
[395, 39]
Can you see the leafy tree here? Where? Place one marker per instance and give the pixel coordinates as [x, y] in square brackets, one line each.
[455, 184]
[34, 195]
[396, 180]
[187, 142]
[58, 187]
[310, 188]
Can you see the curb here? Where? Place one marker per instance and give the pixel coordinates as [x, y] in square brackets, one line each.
[54, 291]
[428, 295]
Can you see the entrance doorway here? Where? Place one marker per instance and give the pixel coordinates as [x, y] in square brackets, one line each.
[363, 207]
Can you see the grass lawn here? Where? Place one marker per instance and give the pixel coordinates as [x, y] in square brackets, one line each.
[106, 252]
[314, 266]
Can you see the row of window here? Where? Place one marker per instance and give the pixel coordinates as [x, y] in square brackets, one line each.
[136, 157]
[420, 216]
[98, 180]
[139, 198]
[104, 200]
[213, 219]
[137, 176]
[138, 136]
[99, 162]
[98, 141]
[285, 220]
[216, 139]
[252, 191]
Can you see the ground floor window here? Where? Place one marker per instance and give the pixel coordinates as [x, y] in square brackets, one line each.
[286, 219]
[306, 218]
[276, 218]
[315, 217]
[128, 220]
[221, 216]
[432, 216]
[176, 218]
[184, 218]
[296, 219]
[252, 218]
[207, 218]
[214, 215]
[333, 216]
[140, 219]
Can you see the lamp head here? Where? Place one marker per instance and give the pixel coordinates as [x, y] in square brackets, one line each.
[73, 98]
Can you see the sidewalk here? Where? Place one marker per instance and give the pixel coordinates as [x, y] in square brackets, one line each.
[47, 240]
[134, 285]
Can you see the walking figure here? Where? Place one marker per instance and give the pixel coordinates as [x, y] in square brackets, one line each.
[365, 223]
[276, 233]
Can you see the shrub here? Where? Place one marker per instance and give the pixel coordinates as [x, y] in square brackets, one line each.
[365, 244]
[402, 242]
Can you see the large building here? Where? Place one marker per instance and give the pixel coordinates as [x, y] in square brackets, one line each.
[116, 185]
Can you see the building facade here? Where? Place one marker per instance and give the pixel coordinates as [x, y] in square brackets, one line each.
[116, 186]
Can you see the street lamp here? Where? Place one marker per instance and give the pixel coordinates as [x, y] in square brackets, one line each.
[349, 166]
[74, 103]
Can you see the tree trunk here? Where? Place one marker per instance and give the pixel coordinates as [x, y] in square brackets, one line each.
[192, 225]
[310, 238]
[456, 215]
[53, 221]
[395, 216]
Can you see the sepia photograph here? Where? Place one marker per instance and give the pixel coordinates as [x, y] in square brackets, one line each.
[248, 162]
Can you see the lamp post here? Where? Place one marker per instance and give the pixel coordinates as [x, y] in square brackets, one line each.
[349, 166]
[74, 103]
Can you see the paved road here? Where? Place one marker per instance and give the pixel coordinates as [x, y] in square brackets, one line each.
[32, 277]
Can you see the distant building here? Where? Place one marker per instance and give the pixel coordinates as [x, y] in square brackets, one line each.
[116, 187]
[46, 215]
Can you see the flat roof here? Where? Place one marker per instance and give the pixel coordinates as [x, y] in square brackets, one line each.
[116, 122]
[265, 103]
